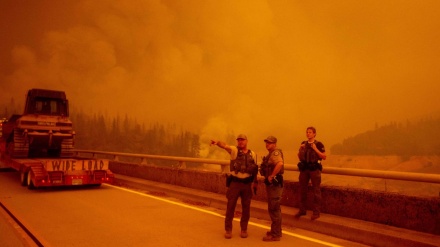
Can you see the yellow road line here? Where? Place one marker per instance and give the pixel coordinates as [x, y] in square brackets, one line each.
[220, 215]
[166, 200]
[297, 235]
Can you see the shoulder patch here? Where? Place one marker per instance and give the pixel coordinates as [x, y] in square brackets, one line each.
[276, 153]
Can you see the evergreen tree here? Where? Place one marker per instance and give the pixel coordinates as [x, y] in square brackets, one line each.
[409, 139]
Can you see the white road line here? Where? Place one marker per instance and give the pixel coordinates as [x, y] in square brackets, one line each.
[222, 216]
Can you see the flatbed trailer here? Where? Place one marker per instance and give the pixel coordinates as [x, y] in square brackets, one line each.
[39, 144]
[47, 172]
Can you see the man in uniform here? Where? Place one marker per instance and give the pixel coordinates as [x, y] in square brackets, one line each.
[240, 181]
[310, 154]
[272, 169]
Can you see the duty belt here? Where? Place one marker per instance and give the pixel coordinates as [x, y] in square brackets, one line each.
[313, 166]
[242, 180]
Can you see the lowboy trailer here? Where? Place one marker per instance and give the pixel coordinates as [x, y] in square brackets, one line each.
[40, 145]
[46, 172]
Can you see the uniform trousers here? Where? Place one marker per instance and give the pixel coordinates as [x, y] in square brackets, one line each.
[236, 190]
[274, 208]
[315, 178]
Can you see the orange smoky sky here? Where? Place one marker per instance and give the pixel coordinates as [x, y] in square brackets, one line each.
[221, 67]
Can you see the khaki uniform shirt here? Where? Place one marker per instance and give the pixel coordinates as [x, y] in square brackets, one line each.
[275, 157]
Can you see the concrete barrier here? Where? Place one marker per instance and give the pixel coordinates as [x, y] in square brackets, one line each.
[414, 213]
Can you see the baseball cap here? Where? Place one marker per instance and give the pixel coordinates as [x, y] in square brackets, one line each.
[242, 136]
[271, 139]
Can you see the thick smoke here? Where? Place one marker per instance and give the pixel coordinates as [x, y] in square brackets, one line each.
[226, 67]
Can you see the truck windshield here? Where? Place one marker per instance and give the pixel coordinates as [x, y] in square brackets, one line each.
[50, 107]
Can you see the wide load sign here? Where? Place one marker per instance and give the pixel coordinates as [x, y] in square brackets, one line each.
[75, 165]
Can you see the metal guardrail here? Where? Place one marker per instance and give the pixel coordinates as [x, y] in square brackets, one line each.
[406, 176]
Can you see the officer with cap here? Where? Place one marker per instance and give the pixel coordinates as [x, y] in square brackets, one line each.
[241, 179]
[272, 169]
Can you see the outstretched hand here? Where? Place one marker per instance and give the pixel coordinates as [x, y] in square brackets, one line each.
[254, 188]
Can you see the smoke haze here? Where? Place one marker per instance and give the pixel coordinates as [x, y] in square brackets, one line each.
[228, 67]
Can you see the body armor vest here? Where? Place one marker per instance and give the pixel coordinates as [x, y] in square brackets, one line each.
[244, 163]
[308, 155]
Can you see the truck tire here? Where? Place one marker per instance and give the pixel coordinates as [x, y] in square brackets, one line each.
[30, 184]
[24, 178]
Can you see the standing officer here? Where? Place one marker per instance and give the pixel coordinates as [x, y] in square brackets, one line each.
[272, 169]
[310, 154]
[240, 180]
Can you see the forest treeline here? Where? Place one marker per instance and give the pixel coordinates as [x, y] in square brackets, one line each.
[421, 137]
[103, 133]
[124, 134]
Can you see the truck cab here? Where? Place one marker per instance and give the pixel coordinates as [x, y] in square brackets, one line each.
[39, 145]
[43, 130]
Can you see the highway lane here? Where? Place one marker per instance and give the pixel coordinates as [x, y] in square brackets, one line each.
[114, 216]
[10, 233]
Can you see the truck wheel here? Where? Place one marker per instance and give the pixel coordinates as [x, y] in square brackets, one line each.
[24, 178]
[30, 184]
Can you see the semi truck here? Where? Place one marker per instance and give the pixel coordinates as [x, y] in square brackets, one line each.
[40, 145]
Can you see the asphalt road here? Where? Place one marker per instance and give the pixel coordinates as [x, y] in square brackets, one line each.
[115, 216]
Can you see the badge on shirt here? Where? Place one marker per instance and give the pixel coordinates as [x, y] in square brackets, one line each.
[276, 153]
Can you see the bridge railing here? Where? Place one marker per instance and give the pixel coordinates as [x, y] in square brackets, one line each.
[224, 164]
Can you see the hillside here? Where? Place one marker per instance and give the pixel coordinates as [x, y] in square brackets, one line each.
[418, 138]
[416, 164]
